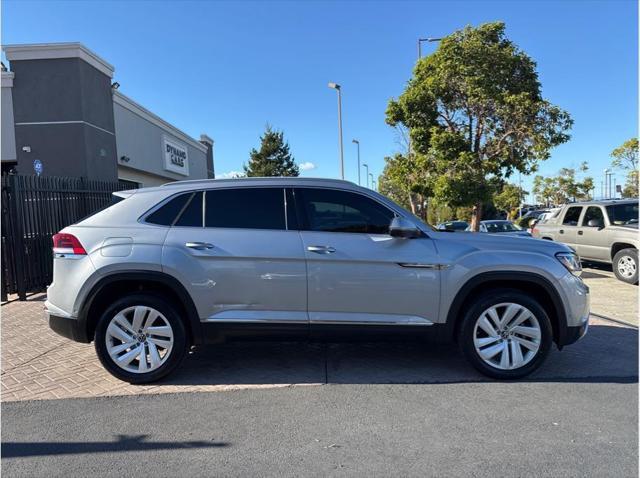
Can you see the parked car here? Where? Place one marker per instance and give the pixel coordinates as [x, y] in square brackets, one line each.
[199, 262]
[599, 231]
[533, 215]
[453, 226]
[501, 227]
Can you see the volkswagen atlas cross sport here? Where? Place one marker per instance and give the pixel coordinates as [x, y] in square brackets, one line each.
[199, 262]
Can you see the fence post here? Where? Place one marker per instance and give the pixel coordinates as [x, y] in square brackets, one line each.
[16, 212]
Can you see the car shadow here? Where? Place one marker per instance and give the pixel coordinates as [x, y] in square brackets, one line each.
[122, 443]
[607, 354]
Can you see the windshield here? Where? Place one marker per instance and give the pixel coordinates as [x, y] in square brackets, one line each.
[502, 227]
[622, 214]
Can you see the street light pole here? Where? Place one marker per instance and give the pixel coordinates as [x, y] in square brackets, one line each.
[358, 145]
[420, 40]
[336, 87]
[366, 176]
[372, 181]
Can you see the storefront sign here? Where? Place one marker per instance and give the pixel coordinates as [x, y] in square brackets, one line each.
[176, 158]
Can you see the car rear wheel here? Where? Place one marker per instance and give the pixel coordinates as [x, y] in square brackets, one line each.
[140, 338]
[625, 265]
[506, 334]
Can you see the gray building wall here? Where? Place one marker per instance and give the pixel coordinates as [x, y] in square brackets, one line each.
[140, 140]
[63, 112]
[8, 137]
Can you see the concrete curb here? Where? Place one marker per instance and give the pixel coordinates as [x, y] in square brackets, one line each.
[617, 321]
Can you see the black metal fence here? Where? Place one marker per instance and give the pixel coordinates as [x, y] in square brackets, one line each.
[33, 210]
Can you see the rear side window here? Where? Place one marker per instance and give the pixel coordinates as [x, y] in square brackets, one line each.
[166, 214]
[572, 216]
[192, 214]
[246, 208]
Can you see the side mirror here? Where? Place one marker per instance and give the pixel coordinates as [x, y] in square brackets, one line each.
[595, 223]
[532, 222]
[401, 227]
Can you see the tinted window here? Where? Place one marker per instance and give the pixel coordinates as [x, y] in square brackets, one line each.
[341, 211]
[292, 217]
[166, 214]
[622, 214]
[192, 215]
[572, 216]
[593, 212]
[245, 208]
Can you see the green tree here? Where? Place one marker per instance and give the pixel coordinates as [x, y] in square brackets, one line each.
[509, 199]
[625, 157]
[274, 157]
[563, 187]
[475, 112]
[403, 180]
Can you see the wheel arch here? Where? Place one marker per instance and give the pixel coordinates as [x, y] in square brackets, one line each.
[619, 246]
[139, 281]
[528, 282]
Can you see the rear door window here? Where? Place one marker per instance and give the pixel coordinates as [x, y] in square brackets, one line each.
[167, 213]
[572, 215]
[593, 212]
[246, 208]
[192, 214]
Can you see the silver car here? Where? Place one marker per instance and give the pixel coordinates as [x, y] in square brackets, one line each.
[199, 262]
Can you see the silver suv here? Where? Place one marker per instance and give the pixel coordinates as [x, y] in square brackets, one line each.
[199, 262]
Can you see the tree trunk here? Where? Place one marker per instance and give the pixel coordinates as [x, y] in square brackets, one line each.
[476, 217]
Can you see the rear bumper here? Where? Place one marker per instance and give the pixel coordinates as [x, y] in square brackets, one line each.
[67, 327]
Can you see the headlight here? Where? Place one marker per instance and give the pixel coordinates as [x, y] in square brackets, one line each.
[571, 261]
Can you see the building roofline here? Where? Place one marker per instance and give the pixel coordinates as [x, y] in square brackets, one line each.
[49, 51]
[143, 112]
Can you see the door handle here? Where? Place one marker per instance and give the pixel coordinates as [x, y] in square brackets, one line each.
[580, 233]
[561, 231]
[321, 249]
[200, 246]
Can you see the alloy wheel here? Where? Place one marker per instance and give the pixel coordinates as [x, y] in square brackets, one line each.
[627, 267]
[507, 336]
[139, 339]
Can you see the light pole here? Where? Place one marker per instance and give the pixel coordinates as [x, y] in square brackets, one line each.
[372, 181]
[420, 40]
[358, 145]
[336, 87]
[366, 176]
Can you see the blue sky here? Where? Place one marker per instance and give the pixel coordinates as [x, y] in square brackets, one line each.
[227, 69]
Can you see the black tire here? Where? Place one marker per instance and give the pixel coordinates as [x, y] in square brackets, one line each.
[629, 254]
[475, 311]
[176, 353]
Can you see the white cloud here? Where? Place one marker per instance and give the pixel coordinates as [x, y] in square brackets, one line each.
[230, 175]
[307, 166]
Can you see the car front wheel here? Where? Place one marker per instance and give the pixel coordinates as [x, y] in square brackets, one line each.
[625, 265]
[505, 334]
[140, 338]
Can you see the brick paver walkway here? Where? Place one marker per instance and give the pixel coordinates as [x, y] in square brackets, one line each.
[39, 364]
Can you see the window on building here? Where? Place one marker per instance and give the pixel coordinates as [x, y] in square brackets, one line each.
[245, 208]
[572, 215]
[167, 213]
[341, 211]
[192, 214]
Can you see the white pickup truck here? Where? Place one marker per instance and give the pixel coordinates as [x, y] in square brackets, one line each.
[599, 231]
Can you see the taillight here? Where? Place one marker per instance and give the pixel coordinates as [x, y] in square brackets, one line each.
[67, 244]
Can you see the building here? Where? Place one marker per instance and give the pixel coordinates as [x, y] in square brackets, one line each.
[63, 116]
